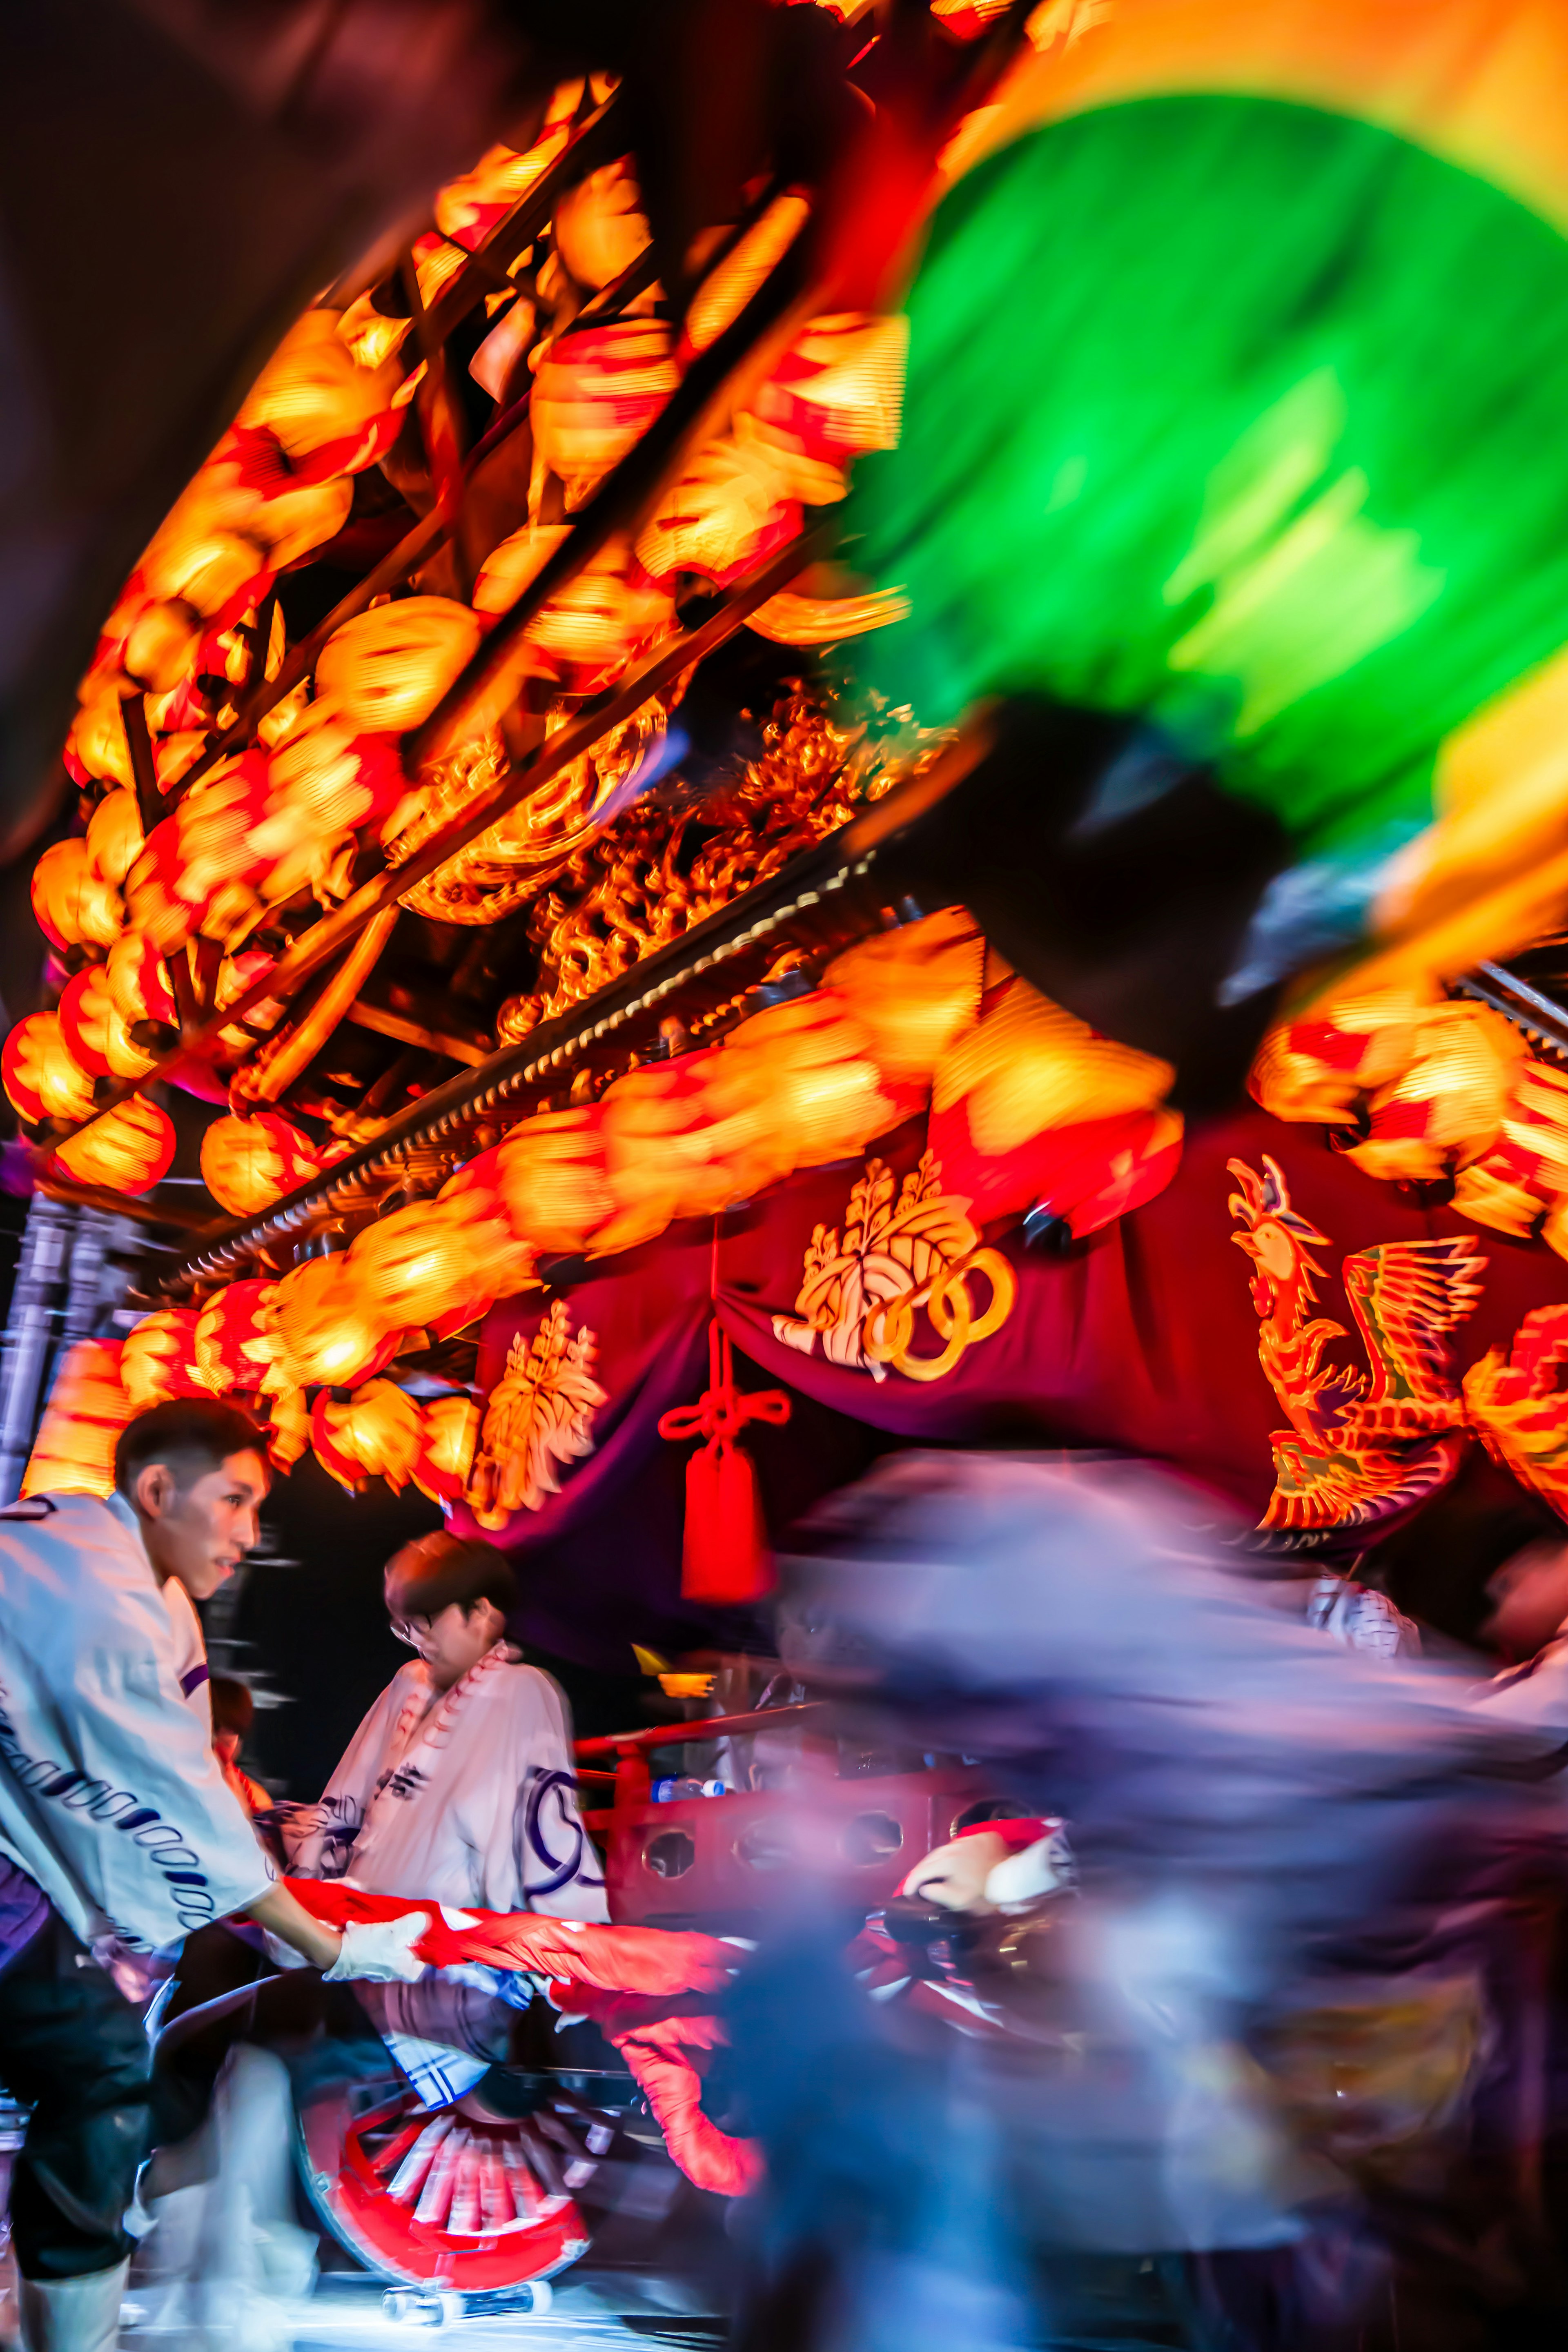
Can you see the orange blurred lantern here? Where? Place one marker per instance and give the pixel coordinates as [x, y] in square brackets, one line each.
[325, 412]
[96, 748]
[88, 1408]
[158, 1360]
[915, 990]
[328, 1335]
[333, 776]
[468, 207]
[1447, 1106]
[127, 1150]
[248, 1163]
[75, 905]
[449, 1431]
[839, 389]
[1085, 1175]
[812, 1065]
[114, 836]
[550, 1175]
[220, 574]
[685, 1139]
[198, 863]
[288, 1429]
[1026, 1066]
[1324, 1069]
[597, 390]
[585, 637]
[386, 669]
[85, 1014]
[234, 1345]
[377, 1434]
[41, 1076]
[599, 224]
[137, 979]
[1525, 1174]
[436, 1261]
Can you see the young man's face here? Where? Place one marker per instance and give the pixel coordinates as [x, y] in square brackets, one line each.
[451, 1642]
[199, 1532]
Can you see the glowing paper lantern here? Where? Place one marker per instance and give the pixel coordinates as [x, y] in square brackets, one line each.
[114, 836]
[326, 412]
[327, 1336]
[378, 1433]
[1447, 1106]
[599, 622]
[127, 1150]
[914, 989]
[96, 748]
[331, 775]
[75, 904]
[219, 575]
[234, 1345]
[288, 1429]
[595, 393]
[42, 1078]
[138, 982]
[1026, 1066]
[599, 224]
[551, 1178]
[1323, 1069]
[248, 1163]
[386, 669]
[86, 1010]
[158, 1360]
[685, 1139]
[73, 1453]
[1525, 1174]
[436, 1261]
[811, 1063]
[449, 1431]
[1087, 1175]
[468, 207]
[199, 864]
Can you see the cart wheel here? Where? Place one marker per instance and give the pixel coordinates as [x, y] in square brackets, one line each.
[452, 2209]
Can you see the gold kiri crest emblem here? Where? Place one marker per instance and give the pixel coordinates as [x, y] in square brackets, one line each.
[905, 1249]
[540, 1413]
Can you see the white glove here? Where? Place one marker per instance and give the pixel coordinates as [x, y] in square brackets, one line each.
[380, 1951]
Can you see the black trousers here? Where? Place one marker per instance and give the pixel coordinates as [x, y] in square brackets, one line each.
[73, 2048]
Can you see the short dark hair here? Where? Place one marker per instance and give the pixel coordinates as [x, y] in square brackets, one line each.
[428, 1575]
[234, 1709]
[191, 1434]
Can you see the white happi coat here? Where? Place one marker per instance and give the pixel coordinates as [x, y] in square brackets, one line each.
[469, 1796]
[111, 1797]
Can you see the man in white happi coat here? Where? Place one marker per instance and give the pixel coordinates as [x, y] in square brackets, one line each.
[459, 1784]
[115, 1822]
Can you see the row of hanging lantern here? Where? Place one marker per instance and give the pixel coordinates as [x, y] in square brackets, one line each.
[282, 822]
[1028, 1108]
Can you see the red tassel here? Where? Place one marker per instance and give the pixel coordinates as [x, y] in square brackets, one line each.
[725, 1557]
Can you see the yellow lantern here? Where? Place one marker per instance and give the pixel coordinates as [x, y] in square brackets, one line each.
[327, 1334]
[88, 1408]
[159, 1359]
[312, 392]
[248, 1163]
[42, 1078]
[75, 904]
[550, 1173]
[913, 990]
[386, 669]
[378, 1433]
[1447, 1107]
[812, 1065]
[437, 1262]
[1324, 1068]
[127, 1150]
[114, 836]
[1026, 1066]
[450, 1431]
[234, 1345]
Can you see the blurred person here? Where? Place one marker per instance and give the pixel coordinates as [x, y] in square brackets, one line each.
[460, 1784]
[115, 1822]
[234, 1713]
[1281, 1847]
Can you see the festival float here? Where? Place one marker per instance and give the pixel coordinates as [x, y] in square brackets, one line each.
[625, 838]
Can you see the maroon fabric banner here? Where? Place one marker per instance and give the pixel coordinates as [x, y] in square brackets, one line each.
[1144, 1339]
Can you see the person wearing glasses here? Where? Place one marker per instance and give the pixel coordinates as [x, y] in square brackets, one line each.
[458, 1784]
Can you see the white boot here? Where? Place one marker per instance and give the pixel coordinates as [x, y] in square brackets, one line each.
[78, 2314]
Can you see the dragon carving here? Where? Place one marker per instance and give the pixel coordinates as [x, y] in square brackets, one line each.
[1361, 1446]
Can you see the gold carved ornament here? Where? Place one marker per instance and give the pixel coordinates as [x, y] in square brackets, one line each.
[904, 1250]
[540, 1413]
